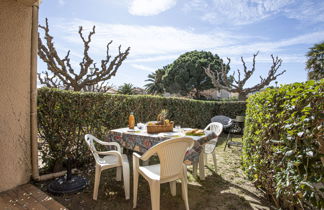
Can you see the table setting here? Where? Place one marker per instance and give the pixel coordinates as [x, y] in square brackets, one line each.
[142, 136]
[138, 138]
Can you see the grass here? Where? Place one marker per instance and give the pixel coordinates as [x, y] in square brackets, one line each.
[225, 188]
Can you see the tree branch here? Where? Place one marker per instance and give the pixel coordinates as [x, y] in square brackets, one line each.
[64, 74]
[238, 85]
[272, 75]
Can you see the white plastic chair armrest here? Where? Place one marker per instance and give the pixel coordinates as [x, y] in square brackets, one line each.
[207, 127]
[136, 158]
[149, 153]
[137, 155]
[115, 153]
[108, 144]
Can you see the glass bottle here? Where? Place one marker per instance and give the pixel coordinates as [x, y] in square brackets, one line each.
[131, 121]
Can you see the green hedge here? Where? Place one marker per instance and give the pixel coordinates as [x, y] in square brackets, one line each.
[283, 144]
[65, 116]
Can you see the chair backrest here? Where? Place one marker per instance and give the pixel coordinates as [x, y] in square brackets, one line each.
[215, 127]
[89, 140]
[171, 154]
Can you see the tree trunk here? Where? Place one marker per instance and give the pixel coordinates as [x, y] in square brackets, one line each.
[77, 88]
[197, 94]
[58, 165]
[69, 169]
[242, 96]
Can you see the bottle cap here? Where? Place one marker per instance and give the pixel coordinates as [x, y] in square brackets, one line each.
[132, 113]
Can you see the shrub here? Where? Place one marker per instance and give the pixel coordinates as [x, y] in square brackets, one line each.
[64, 117]
[283, 144]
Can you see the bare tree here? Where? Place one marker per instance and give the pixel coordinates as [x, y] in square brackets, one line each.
[101, 87]
[62, 75]
[221, 81]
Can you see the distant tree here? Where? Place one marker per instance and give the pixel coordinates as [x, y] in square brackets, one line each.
[220, 79]
[88, 77]
[126, 88]
[315, 62]
[186, 74]
[155, 85]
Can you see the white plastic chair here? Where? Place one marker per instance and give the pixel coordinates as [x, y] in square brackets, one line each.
[209, 147]
[171, 154]
[109, 159]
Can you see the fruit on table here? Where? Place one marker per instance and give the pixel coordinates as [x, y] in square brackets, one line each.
[162, 115]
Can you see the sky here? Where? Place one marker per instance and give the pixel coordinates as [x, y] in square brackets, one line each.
[159, 31]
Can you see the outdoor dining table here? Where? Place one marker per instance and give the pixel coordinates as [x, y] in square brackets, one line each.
[140, 141]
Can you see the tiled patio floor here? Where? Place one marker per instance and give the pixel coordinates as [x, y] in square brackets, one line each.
[28, 197]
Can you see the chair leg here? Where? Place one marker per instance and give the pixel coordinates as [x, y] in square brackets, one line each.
[184, 188]
[214, 159]
[201, 166]
[228, 136]
[194, 168]
[118, 173]
[173, 188]
[126, 180]
[205, 159]
[96, 182]
[155, 194]
[135, 186]
[229, 141]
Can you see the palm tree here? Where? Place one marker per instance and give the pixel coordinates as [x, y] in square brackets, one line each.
[126, 88]
[315, 62]
[155, 85]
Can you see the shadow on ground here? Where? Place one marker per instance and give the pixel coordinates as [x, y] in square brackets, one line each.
[227, 188]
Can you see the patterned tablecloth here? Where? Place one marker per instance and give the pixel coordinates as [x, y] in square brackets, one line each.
[140, 141]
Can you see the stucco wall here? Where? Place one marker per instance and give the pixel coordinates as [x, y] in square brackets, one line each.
[15, 48]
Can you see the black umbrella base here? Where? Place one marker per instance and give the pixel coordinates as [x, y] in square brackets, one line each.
[63, 186]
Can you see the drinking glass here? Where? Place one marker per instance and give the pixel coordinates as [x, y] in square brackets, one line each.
[140, 126]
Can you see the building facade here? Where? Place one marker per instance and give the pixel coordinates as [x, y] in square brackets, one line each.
[17, 88]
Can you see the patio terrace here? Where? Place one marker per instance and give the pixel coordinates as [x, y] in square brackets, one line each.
[225, 189]
[28, 197]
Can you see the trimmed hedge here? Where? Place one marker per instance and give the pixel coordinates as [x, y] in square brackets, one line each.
[64, 117]
[283, 144]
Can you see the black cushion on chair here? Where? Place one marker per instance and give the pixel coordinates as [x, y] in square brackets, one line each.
[226, 121]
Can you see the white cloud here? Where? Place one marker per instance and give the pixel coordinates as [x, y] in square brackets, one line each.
[161, 43]
[149, 7]
[270, 47]
[148, 40]
[309, 11]
[61, 2]
[240, 12]
[237, 12]
[266, 58]
[199, 5]
[154, 58]
[142, 67]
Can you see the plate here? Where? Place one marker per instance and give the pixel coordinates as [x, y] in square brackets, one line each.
[169, 134]
[132, 130]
